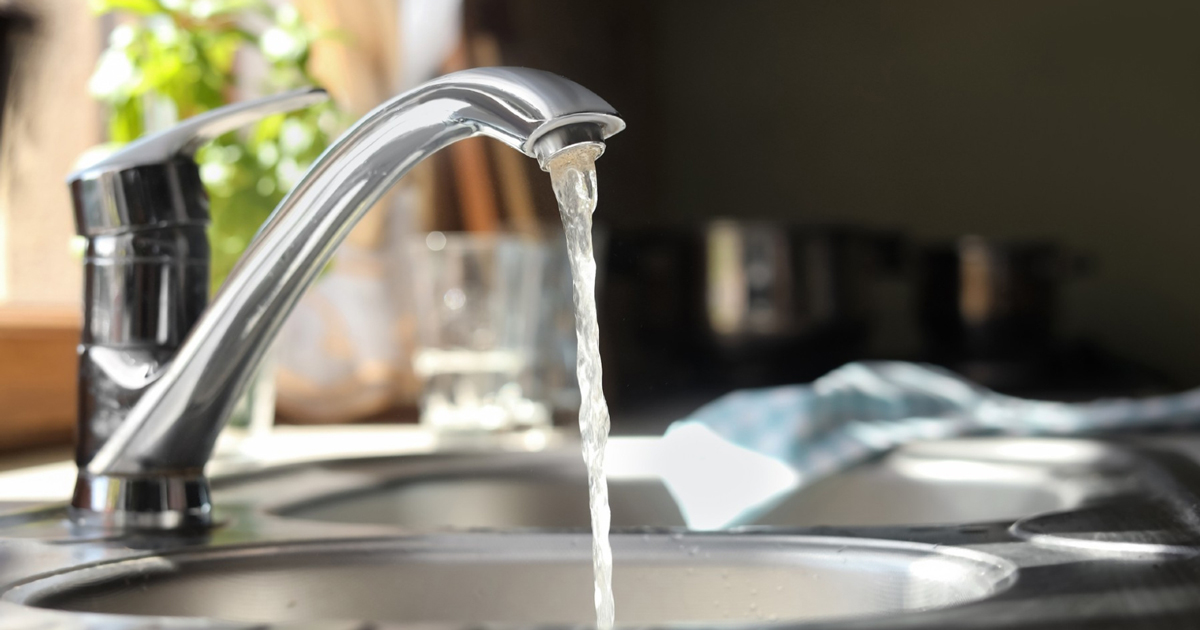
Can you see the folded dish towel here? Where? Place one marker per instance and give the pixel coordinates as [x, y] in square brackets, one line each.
[734, 457]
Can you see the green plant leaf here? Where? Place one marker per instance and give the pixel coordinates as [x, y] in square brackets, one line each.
[207, 9]
[140, 7]
[126, 122]
[184, 52]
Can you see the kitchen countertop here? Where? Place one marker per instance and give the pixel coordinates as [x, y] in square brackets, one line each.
[48, 476]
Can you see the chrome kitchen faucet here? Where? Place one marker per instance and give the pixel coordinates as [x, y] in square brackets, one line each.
[158, 372]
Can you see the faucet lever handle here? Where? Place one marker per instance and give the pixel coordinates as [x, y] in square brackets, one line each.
[153, 182]
[184, 138]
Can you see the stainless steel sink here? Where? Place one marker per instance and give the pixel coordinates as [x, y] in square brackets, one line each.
[959, 481]
[482, 491]
[528, 578]
[311, 543]
[947, 482]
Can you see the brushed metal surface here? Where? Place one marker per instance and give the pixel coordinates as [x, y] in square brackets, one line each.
[977, 480]
[532, 579]
[1123, 556]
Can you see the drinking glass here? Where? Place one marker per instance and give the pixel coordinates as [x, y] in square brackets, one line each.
[477, 307]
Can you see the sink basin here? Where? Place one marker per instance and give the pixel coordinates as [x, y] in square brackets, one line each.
[527, 490]
[950, 482]
[530, 578]
[397, 553]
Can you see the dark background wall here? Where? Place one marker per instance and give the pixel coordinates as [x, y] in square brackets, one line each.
[1073, 120]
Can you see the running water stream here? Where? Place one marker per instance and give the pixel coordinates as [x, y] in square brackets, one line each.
[573, 174]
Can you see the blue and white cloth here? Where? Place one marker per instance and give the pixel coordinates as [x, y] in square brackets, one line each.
[725, 458]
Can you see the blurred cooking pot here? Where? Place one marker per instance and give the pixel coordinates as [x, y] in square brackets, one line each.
[766, 283]
[735, 304]
[992, 299]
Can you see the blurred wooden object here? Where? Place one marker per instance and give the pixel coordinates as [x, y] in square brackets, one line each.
[38, 363]
[360, 67]
[510, 165]
[359, 64]
[50, 120]
[472, 173]
[343, 353]
[476, 191]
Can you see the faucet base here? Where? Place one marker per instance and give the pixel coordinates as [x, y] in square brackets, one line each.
[142, 503]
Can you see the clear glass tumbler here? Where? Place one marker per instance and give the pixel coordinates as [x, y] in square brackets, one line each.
[477, 307]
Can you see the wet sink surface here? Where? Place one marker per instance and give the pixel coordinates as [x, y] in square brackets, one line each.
[537, 497]
[959, 481]
[301, 542]
[532, 579]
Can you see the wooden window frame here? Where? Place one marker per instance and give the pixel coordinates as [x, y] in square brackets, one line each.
[38, 365]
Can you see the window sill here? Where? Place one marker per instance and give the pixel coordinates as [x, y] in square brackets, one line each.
[38, 362]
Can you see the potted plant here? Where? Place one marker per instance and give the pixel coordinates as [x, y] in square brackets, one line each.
[172, 59]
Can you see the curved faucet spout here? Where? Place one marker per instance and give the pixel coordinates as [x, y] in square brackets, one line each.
[172, 428]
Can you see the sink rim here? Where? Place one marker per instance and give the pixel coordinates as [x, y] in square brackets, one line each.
[998, 573]
[382, 474]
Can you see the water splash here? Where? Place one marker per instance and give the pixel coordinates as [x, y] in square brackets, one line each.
[573, 175]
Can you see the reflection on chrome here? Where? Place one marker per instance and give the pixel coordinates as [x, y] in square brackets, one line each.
[148, 472]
